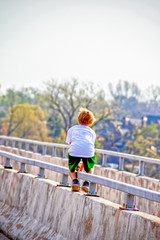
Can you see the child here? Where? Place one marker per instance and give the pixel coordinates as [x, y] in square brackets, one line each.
[80, 167]
[82, 138]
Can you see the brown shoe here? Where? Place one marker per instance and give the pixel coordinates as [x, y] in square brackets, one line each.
[85, 186]
[75, 185]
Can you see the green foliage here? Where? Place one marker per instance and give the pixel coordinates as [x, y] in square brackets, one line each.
[54, 125]
[142, 141]
[98, 155]
[151, 131]
[22, 96]
[61, 138]
[26, 121]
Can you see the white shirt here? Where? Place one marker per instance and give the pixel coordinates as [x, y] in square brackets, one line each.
[82, 140]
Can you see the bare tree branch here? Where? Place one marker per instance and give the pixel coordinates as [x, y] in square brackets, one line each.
[66, 98]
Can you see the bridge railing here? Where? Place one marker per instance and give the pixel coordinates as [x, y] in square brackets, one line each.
[42, 147]
[129, 190]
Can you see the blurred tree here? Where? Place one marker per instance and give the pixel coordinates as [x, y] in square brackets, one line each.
[54, 124]
[3, 127]
[153, 93]
[124, 90]
[151, 103]
[61, 138]
[151, 131]
[126, 99]
[24, 95]
[26, 121]
[66, 99]
[6, 101]
[98, 156]
[143, 141]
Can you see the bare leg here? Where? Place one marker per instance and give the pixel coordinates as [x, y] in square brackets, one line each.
[75, 185]
[72, 175]
[85, 186]
[91, 171]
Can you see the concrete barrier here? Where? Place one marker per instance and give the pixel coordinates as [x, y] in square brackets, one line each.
[113, 195]
[33, 208]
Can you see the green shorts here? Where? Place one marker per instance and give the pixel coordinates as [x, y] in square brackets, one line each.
[73, 162]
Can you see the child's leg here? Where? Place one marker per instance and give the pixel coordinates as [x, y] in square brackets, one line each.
[73, 163]
[82, 166]
[75, 182]
[88, 167]
[72, 175]
[91, 171]
[88, 164]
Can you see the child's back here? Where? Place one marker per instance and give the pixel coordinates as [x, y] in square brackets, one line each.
[82, 140]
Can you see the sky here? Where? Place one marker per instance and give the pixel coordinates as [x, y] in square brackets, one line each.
[102, 41]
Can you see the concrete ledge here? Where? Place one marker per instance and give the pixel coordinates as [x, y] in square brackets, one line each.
[113, 195]
[3, 237]
[32, 208]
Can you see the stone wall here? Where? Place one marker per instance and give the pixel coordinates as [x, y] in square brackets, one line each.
[33, 208]
[113, 195]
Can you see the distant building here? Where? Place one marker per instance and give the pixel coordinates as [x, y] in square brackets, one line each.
[130, 123]
[114, 132]
[153, 119]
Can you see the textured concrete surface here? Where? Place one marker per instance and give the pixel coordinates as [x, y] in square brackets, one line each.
[3, 237]
[113, 195]
[32, 208]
